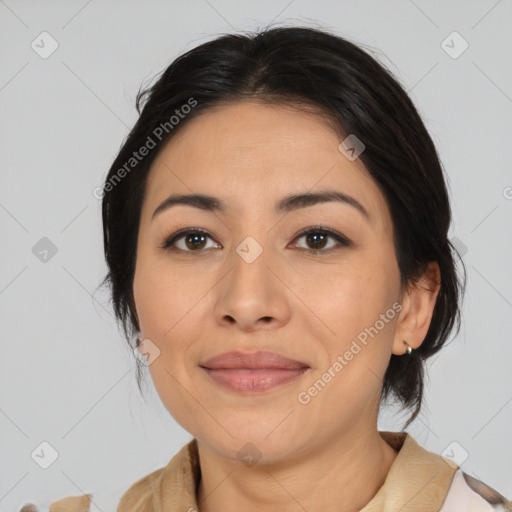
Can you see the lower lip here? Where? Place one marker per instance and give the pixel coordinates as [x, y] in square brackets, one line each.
[247, 380]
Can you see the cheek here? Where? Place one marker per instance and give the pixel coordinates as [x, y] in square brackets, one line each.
[162, 293]
[168, 301]
[166, 306]
[351, 314]
[346, 295]
[165, 303]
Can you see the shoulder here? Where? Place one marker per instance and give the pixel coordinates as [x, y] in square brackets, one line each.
[139, 494]
[468, 493]
[154, 491]
[80, 503]
[134, 499]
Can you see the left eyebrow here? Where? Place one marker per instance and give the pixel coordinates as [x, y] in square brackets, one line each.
[284, 205]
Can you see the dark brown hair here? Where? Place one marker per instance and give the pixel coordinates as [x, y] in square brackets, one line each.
[300, 66]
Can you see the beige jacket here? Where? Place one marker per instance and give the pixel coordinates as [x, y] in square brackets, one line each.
[418, 481]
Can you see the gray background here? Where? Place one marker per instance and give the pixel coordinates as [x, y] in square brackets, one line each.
[67, 377]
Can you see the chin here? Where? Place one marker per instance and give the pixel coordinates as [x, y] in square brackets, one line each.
[253, 445]
[252, 453]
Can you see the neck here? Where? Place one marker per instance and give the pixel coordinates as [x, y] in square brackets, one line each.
[341, 475]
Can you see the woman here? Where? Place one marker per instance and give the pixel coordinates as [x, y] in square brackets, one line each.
[275, 228]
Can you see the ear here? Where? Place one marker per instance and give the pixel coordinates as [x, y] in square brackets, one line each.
[418, 303]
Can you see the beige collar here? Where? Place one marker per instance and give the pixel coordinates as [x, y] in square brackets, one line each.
[417, 481]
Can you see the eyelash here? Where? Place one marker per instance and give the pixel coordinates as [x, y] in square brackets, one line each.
[343, 241]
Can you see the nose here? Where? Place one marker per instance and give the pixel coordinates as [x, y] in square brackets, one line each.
[252, 295]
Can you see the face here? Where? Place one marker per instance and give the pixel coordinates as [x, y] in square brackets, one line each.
[252, 281]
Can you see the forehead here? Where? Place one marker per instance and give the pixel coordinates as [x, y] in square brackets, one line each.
[250, 153]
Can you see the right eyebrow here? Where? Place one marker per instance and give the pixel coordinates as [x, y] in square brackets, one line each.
[284, 205]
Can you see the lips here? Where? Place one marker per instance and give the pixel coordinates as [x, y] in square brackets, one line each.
[261, 360]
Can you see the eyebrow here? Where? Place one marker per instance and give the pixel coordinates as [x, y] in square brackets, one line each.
[284, 205]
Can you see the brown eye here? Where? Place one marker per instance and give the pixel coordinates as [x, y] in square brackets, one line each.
[193, 240]
[317, 240]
